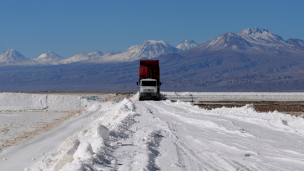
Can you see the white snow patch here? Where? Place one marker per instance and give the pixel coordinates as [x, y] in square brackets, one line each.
[135, 97]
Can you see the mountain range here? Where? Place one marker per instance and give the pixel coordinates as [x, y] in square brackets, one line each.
[250, 60]
[149, 49]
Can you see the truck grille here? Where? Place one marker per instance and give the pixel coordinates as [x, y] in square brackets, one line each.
[148, 90]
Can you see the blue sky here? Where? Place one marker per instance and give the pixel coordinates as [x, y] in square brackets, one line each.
[68, 27]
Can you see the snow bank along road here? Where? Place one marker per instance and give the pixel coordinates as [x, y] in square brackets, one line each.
[163, 135]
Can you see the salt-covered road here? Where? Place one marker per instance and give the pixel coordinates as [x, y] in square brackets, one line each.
[179, 136]
[224, 139]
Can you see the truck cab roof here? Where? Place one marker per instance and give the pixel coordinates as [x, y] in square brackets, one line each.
[148, 79]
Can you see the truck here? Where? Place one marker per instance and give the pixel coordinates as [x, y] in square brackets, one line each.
[149, 80]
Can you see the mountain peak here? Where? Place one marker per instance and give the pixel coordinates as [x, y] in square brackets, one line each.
[12, 52]
[257, 30]
[254, 31]
[186, 45]
[188, 41]
[223, 39]
[149, 49]
[12, 56]
[154, 42]
[245, 31]
[152, 48]
[260, 36]
[229, 40]
[258, 40]
[49, 55]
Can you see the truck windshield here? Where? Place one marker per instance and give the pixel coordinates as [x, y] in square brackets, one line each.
[148, 83]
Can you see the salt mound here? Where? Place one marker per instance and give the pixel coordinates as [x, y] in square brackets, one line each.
[135, 97]
[53, 102]
[250, 107]
[84, 151]
[68, 156]
[17, 101]
[102, 132]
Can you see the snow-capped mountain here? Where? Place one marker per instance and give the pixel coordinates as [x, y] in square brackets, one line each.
[258, 40]
[247, 40]
[186, 45]
[48, 56]
[12, 57]
[261, 37]
[229, 40]
[149, 49]
[83, 56]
